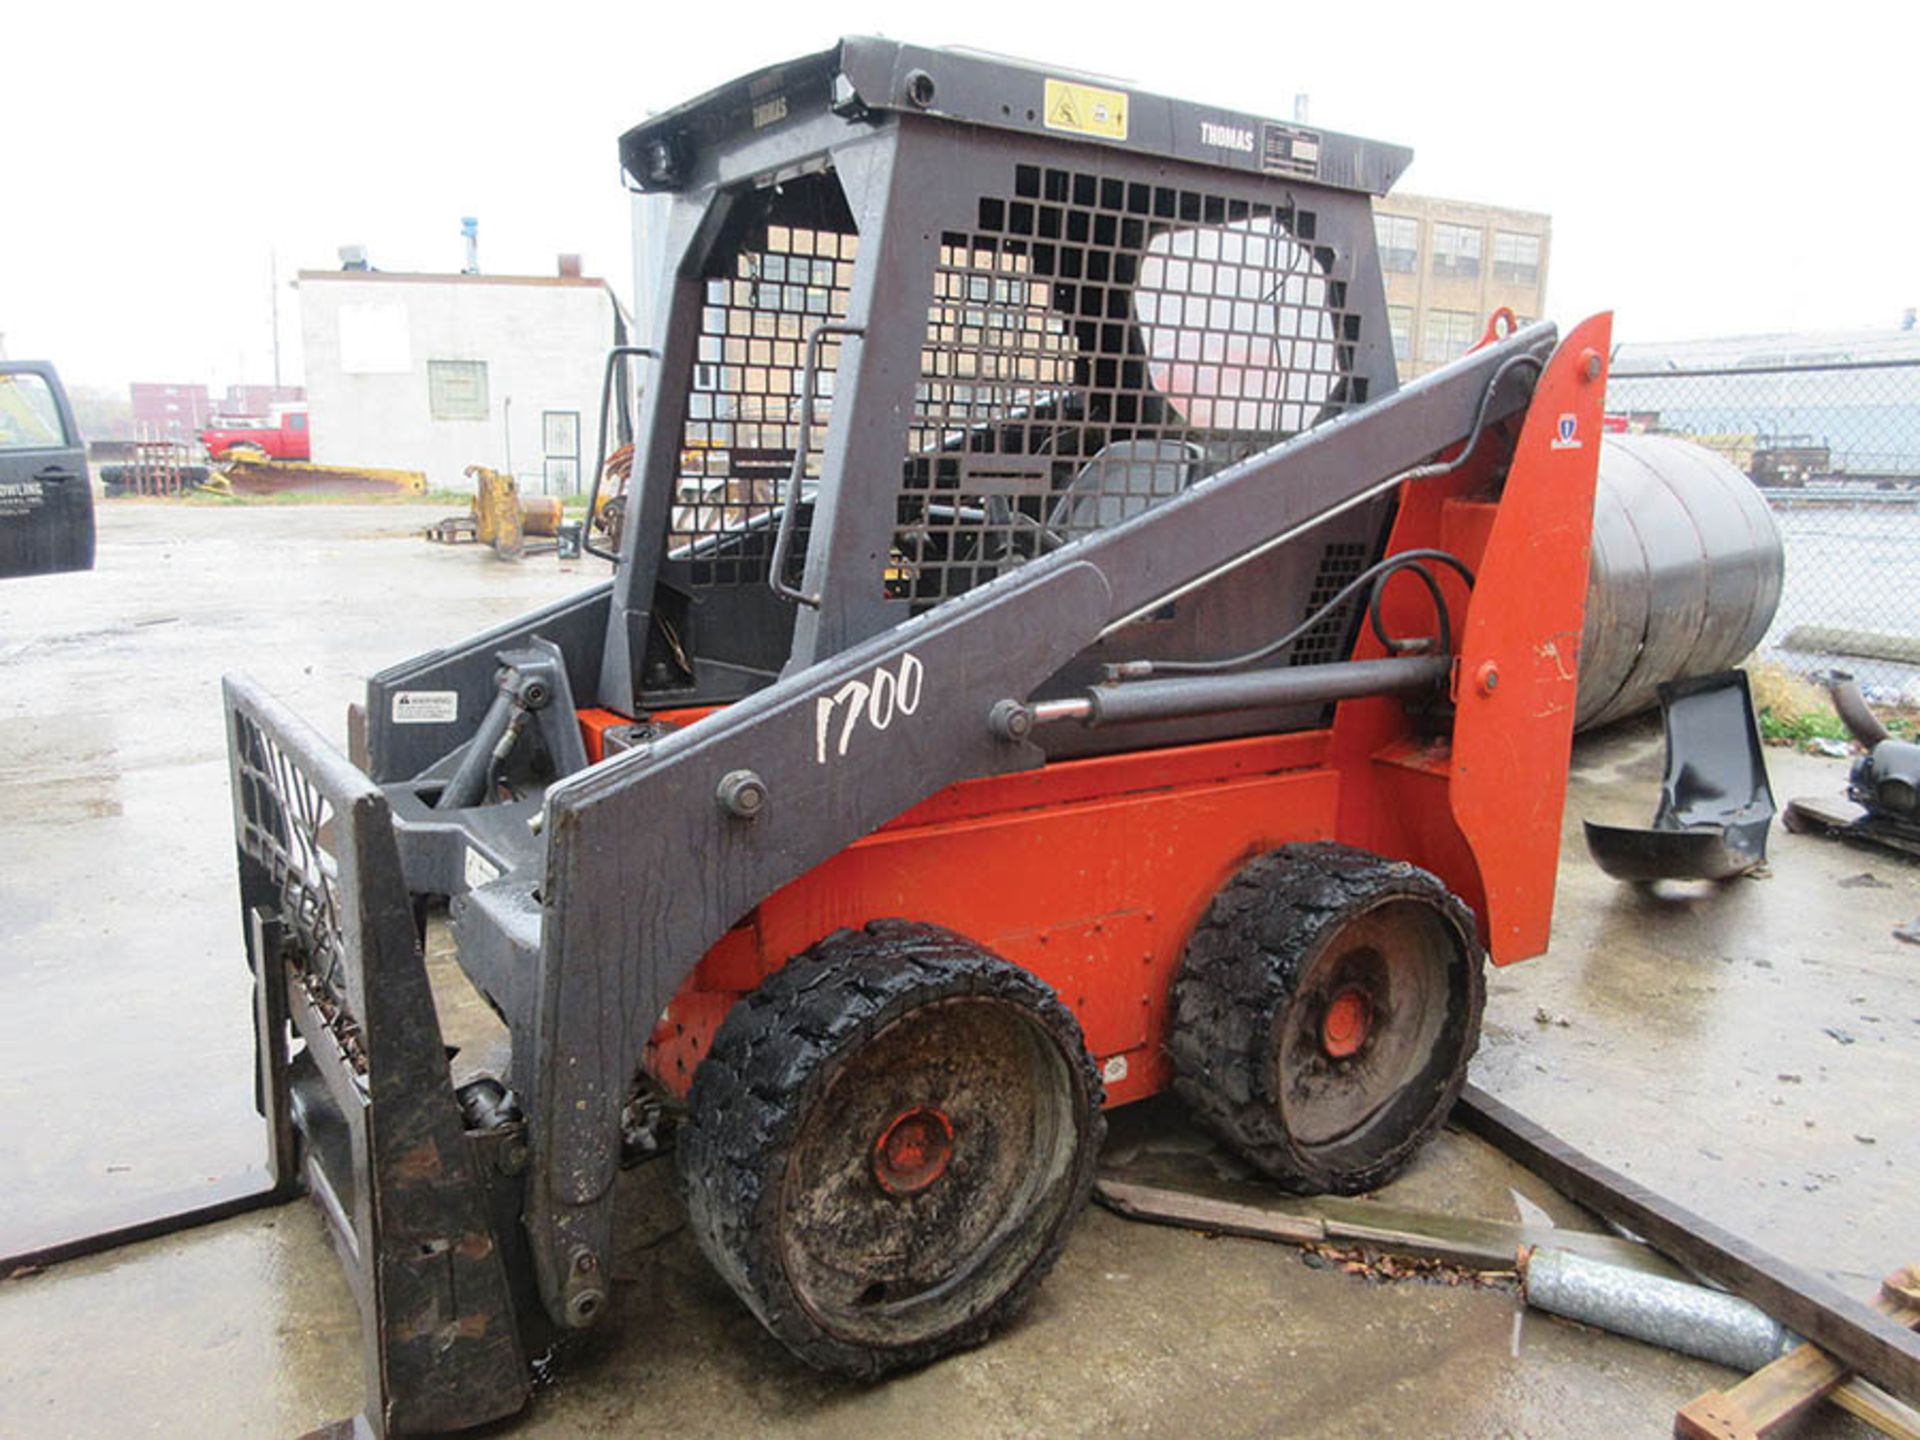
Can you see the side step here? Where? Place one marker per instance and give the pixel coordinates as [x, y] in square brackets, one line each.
[354, 1083]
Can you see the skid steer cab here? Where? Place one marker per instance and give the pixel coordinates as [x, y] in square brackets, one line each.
[1048, 660]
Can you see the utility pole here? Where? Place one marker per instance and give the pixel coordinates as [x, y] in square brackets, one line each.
[273, 287]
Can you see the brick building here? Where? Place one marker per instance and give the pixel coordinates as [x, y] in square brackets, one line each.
[258, 400]
[1449, 264]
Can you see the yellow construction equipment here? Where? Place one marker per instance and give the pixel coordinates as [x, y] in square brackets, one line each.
[501, 517]
[284, 477]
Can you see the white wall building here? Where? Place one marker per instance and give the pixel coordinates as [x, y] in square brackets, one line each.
[439, 372]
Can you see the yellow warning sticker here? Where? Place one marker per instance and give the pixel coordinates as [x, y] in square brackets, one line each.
[1086, 110]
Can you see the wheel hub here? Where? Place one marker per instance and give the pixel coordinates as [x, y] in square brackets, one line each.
[929, 1172]
[913, 1151]
[1369, 1011]
[1348, 1021]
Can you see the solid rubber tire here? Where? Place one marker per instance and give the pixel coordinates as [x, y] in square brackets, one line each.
[775, 1054]
[1242, 968]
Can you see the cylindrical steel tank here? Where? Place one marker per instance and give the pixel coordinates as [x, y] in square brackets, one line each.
[1686, 573]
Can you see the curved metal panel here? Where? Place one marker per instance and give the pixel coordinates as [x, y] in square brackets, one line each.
[1686, 573]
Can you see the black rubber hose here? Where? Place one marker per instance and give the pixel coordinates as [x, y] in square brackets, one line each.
[1373, 573]
[1443, 615]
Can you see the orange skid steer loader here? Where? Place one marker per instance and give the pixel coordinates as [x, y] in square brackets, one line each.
[1048, 659]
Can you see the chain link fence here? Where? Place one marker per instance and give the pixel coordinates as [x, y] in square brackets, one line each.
[1835, 449]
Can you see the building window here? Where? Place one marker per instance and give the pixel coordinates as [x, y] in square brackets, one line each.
[1400, 326]
[560, 440]
[1399, 239]
[1447, 335]
[1516, 258]
[457, 389]
[1456, 251]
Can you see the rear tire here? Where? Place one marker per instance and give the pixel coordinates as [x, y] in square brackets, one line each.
[888, 1144]
[1326, 1010]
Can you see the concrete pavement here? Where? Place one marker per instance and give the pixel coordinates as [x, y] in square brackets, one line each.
[1750, 1050]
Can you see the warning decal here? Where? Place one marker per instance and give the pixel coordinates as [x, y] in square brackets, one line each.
[426, 707]
[1086, 110]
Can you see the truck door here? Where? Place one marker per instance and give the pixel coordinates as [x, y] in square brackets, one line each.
[46, 499]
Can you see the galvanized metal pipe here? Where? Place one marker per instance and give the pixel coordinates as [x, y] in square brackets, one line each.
[1708, 1324]
[1686, 573]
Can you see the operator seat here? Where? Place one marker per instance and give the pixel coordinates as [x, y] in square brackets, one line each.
[1120, 481]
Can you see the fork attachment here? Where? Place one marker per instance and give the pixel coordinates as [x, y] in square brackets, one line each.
[354, 1083]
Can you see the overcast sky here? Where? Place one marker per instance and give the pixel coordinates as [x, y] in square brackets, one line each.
[1710, 170]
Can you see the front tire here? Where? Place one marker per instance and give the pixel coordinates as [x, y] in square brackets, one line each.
[888, 1144]
[1325, 1013]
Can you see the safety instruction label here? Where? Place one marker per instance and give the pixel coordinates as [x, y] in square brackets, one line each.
[1086, 109]
[426, 707]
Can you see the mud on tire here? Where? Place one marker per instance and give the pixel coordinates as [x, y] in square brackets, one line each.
[888, 1144]
[1324, 1015]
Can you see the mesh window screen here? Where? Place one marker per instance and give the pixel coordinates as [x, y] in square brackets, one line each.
[743, 407]
[1095, 346]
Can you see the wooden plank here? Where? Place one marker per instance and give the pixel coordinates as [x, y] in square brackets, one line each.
[1781, 1389]
[1717, 1416]
[1776, 1393]
[1457, 1239]
[1264, 1215]
[1853, 1333]
[1879, 1409]
[1198, 1212]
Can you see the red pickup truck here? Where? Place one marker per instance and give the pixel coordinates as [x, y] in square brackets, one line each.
[282, 436]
